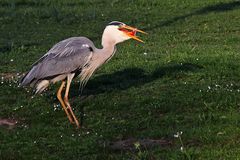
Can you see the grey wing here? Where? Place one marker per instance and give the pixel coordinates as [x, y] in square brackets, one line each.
[66, 56]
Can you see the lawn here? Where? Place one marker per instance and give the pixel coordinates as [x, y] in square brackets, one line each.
[177, 96]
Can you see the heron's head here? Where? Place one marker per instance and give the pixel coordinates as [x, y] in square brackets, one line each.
[119, 32]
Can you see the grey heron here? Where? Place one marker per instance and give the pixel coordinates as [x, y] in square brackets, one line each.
[76, 56]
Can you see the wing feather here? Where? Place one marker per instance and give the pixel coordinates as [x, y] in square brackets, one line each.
[64, 57]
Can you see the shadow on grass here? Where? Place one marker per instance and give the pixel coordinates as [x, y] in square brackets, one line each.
[126, 78]
[220, 7]
[5, 48]
[130, 77]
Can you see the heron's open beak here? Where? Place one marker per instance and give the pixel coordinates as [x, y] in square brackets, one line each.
[131, 32]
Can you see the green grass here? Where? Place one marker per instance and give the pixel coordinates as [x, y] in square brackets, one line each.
[188, 81]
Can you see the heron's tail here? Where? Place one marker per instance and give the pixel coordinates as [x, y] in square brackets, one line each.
[29, 78]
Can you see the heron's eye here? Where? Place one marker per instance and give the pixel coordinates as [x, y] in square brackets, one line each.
[120, 25]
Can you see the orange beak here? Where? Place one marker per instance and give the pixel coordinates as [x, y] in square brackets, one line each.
[131, 32]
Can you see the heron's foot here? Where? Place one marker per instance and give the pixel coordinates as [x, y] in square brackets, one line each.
[68, 113]
[75, 120]
[71, 121]
[70, 116]
[77, 124]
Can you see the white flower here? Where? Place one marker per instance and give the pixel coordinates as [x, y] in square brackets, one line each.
[145, 53]
[176, 135]
[181, 148]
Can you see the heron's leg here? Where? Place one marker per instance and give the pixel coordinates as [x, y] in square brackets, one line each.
[69, 80]
[59, 96]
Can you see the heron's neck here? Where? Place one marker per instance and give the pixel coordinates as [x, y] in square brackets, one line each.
[108, 48]
[108, 42]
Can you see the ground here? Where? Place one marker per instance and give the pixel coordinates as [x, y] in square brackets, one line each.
[177, 96]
